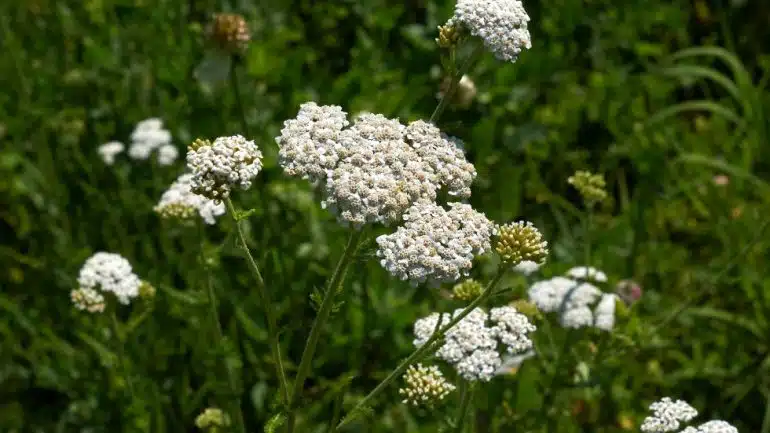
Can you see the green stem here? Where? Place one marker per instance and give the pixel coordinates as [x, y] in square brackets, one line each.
[455, 80]
[120, 337]
[422, 351]
[335, 284]
[766, 420]
[272, 328]
[235, 404]
[237, 94]
[466, 396]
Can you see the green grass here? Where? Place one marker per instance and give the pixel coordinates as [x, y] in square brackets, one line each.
[645, 94]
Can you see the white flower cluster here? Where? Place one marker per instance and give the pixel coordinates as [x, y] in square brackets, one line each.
[527, 267]
[180, 202]
[425, 386]
[106, 273]
[575, 300]
[668, 415]
[501, 24]
[108, 151]
[472, 345]
[219, 166]
[587, 273]
[150, 135]
[435, 245]
[374, 169]
[715, 426]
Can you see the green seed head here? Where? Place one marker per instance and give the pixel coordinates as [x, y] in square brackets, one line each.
[520, 241]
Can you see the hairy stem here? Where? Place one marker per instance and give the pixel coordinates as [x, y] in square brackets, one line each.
[272, 328]
[422, 351]
[335, 283]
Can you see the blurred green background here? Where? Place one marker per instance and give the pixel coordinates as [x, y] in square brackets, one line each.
[618, 88]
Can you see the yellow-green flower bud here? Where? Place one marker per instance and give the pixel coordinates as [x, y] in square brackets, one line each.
[449, 34]
[212, 420]
[591, 187]
[467, 290]
[520, 241]
[146, 291]
[527, 308]
[198, 143]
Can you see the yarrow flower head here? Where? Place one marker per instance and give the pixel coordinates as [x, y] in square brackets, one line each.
[591, 187]
[309, 144]
[501, 25]
[229, 32]
[474, 345]
[667, 416]
[179, 202]
[527, 267]
[587, 273]
[520, 241]
[212, 420]
[220, 166]
[108, 151]
[574, 301]
[148, 136]
[373, 170]
[435, 245]
[467, 290]
[425, 386]
[105, 273]
[715, 426]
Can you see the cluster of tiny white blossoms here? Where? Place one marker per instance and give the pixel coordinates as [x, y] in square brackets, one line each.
[105, 273]
[180, 202]
[373, 170]
[501, 24]
[220, 166]
[435, 245]
[425, 386]
[527, 267]
[472, 345]
[575, 300]
[668, 415]
[108, 151]
[150, 135]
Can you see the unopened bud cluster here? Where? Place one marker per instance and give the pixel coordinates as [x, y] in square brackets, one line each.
[229, 32]
[467, 290]
[424, 386]
[668, 415]
[449, 34]
[212, 420]
[218, 167]
[520, 241]
[591, 187]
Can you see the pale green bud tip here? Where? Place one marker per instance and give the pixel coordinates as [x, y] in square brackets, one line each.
[520, 241]
[198, 143]
[449, 34]
[467, 290]
[212, 419]
[527, 308]
[591, 186]
[146, 290]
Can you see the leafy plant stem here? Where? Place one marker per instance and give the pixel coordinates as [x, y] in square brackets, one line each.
[120, 337]
[264, 296]
[423, 350]
[335, 283]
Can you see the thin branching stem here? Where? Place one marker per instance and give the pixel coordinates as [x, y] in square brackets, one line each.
[422, 351]
[264, 296]
[455, 78]
[324, 311]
